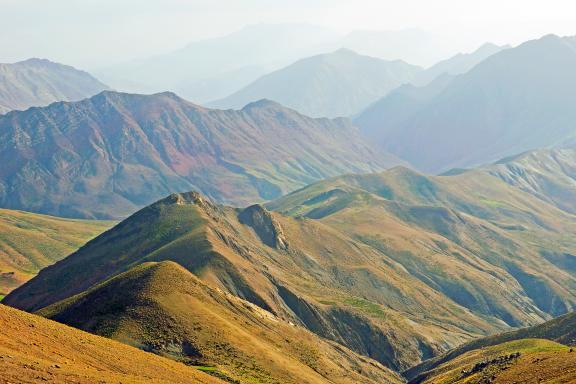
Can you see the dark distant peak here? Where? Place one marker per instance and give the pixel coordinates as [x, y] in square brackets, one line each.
[37, 61]
[262, 104]
[168, 94]
[401, 170]
[115, 96]
[454, 172]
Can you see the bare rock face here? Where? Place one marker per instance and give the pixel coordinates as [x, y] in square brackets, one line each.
[265, 226]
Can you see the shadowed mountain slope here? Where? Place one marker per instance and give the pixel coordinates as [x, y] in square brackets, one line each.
[30, 242]
[163, 308]
[516, 100]
[38, 82]
[34, 349]
[396, 266]
[490, 246]
[341, 83]
[109, 155]
[299, 270]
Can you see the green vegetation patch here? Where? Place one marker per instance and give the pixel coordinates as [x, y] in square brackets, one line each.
[366, 306]
[205, 368]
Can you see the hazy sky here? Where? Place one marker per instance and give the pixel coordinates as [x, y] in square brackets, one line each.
[92, 33]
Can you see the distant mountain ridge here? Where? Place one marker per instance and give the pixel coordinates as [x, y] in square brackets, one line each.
[458, 64]
[109, 155]
[341, 83]
[516, 100]
[39, 82]
[213, 68]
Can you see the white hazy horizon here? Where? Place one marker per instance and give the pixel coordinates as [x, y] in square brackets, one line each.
[93, 34]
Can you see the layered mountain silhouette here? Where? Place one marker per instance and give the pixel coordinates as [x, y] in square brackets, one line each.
[341, 83]
[214, 68]
[39, 82]
[516, 100]
[457, 64]
[396, 266]
[109, 155]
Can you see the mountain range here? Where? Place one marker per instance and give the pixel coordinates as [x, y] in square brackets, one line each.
[39, 82]
[427, 240]
[457, 64]
[396, 266]
[213, 68]
[341, 83]
[109, 155]
[516, 100]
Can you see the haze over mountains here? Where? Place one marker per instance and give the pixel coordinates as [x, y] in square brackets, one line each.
[267, 239]
[109, 155]
[39, 82]
[212, 69]
[341, 83]
[518, 99]
[458, 64]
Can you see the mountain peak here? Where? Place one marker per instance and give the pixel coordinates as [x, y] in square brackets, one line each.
[37, 60]
[262, 104]
[186, 198]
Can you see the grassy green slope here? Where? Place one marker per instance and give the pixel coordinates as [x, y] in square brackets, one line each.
[30, 242]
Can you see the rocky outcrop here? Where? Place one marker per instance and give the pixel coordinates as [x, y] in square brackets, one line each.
[265, 226]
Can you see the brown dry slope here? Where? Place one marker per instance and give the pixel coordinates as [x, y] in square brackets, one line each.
[520, 361]
[34, 350]
[163, 308]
